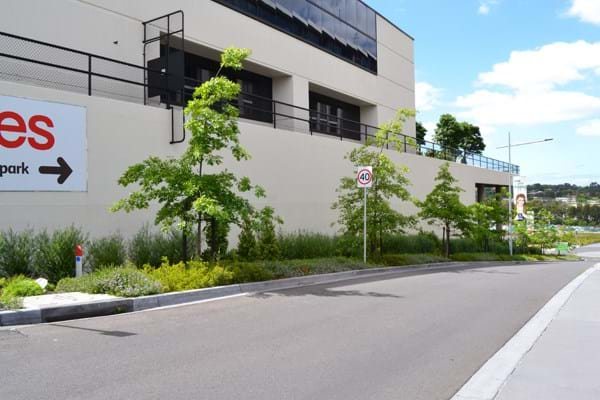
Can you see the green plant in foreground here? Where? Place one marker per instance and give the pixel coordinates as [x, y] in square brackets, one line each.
[194, 275]
[443, 207]
[105, 251]
[54, 256]
[123, 282]
[389, 183]
[16, 251]
[193, 189]
[20, 286]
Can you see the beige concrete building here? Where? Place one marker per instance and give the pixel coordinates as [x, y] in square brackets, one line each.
[322, 75]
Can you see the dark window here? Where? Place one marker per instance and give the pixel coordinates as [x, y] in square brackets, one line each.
[255, 101]
[334, 117]
[346, 28]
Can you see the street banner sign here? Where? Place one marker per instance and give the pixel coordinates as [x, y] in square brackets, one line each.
[520, 197]
[364, 177]
[43, 146]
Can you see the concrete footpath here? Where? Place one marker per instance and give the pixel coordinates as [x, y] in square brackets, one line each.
[565, 361]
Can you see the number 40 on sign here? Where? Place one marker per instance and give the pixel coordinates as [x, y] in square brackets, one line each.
[364, 177]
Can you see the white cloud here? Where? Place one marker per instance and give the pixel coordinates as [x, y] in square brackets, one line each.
[545, 67]
[586, 10]
[485, 6]
[426, 96]
[526, 89]
[430, 126]
[526, 108]
[589, 128]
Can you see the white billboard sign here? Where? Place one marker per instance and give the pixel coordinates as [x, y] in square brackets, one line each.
[43, 146]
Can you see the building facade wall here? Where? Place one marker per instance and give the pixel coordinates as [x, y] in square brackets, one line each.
[299, 171]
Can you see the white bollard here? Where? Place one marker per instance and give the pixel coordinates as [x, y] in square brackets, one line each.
[78, 261]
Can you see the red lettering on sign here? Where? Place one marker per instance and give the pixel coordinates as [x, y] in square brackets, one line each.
[33, 127]
[19, 127]
[38, 125]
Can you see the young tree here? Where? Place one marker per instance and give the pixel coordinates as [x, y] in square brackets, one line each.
[389, 182]
[484, 220]
[544, 235]
[443, 207]
[268, 248]
[187, 192]
[247, 247]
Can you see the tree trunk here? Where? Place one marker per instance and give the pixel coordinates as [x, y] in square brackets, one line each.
[184, 247]
[447, 241]
[380, 242]
[214, 246]
[199, 238]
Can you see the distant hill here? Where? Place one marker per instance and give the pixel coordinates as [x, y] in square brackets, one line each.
[540, 190]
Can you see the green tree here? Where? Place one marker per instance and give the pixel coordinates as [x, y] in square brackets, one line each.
[421, 133]
[188, 194]
[443, 207]
[268, 248]
[247, 247]
[389, 182]
[458, 137]
[484, 220]
[544, 235]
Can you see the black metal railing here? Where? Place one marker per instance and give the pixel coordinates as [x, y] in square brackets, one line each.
[45, 64]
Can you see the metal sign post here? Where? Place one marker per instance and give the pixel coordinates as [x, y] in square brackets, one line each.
[364, 179]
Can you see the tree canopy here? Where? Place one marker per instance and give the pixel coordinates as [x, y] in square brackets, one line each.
[193, 188]
[389, 182]
[462, 136]
[442, 206]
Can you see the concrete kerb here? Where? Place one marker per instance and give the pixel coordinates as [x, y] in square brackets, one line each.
[122, 305]
[487, 382]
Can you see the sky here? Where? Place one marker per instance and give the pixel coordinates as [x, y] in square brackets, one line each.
[528, 67]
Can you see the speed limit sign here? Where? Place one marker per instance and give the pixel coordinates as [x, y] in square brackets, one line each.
[364, 177]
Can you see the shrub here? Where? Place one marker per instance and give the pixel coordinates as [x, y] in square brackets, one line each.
[20, 286]
[294, 268]
[85, 284]
[303, 244]
[397, 260]
[247, 249]
[475, 257]
[349, 246]
[177, 277]
[413, 244]
[16, 250]
[106, 251]
[244, 272]
[54, 257]
[194, 275]
[11, 303]
[148, 248]
[3, 282]
[123, 282]
[268, 247]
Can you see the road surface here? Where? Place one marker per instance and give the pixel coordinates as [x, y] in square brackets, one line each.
[412, 336]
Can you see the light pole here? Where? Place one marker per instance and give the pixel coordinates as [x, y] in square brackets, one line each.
[510, 175]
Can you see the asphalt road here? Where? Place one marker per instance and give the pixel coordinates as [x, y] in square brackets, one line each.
[418, 336]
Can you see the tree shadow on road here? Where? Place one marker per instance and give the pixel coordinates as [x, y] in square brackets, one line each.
[100, 331]
[323, 292]
[328, 289]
